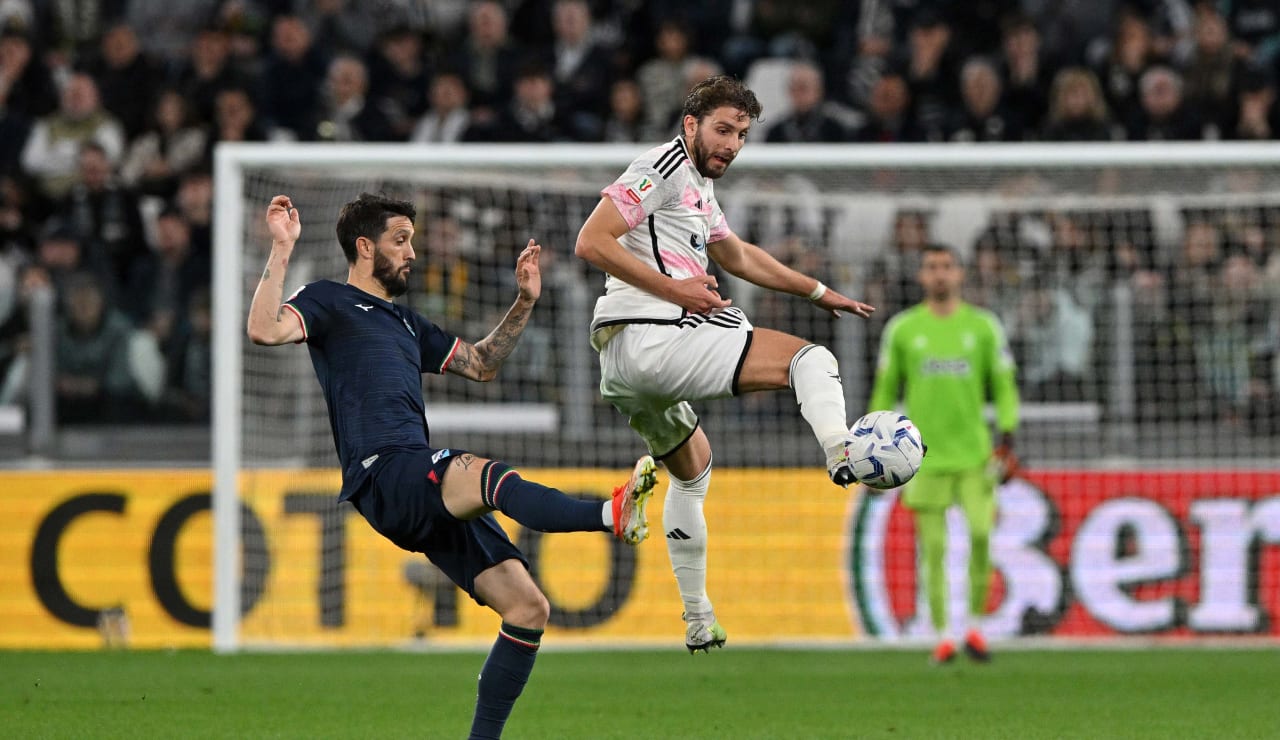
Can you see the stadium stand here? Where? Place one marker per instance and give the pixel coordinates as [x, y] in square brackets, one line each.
[106, 139]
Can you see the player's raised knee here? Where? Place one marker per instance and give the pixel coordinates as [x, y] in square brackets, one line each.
[812, 359]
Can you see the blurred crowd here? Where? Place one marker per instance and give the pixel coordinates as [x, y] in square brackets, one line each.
[1196, 320]
[110, 110]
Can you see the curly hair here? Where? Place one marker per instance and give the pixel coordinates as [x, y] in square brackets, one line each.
[718, 92]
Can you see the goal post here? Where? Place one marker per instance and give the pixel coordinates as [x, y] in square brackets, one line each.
[1137, 383]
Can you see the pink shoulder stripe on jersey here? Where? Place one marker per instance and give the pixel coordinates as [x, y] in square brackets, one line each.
[719, 230]
[452, 351]
[301, 321]
[628, 202]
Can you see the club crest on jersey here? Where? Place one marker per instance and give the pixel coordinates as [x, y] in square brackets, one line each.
[698, 243]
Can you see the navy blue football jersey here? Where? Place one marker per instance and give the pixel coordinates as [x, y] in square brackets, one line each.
[369, 355]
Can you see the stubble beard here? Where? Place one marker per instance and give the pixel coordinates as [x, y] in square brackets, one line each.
[701, 158]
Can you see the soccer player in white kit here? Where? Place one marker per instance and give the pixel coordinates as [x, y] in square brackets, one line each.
[666, 337]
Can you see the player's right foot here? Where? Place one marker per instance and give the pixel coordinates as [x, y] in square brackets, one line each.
[703, 633]
[839, 466]
[975, 646]
[944, 653]
[630, 499]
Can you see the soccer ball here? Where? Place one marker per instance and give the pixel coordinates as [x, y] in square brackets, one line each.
[885, 449]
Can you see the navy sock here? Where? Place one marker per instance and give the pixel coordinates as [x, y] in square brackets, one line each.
[503, 678]
[536, 506]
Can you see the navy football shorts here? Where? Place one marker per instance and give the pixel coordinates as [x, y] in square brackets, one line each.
[402, 502]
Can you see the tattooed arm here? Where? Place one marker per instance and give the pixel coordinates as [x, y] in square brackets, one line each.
[267, 324]
[480, 361]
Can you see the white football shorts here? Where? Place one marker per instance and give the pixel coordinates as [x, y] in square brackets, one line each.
[651, 371]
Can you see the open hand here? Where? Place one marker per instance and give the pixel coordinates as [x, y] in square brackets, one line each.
[282, 220]
[528, 272]
[835, 303]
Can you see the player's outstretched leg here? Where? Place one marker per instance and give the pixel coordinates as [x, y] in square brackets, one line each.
[815, 378]
[548, 510]
[627, 509]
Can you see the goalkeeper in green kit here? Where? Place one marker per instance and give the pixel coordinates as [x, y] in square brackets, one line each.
[945, 357]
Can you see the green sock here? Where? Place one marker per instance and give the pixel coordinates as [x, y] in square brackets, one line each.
[931, 531]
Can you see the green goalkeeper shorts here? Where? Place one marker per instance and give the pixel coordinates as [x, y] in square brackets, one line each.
[930, 490]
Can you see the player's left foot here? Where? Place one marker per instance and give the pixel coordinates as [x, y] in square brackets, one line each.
[975, 646]
[630, 499]
[839, 466]
[944, 653]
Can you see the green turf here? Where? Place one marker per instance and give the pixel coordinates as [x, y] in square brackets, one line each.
[734, 693]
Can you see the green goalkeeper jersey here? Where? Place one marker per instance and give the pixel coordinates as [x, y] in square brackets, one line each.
[949, 365]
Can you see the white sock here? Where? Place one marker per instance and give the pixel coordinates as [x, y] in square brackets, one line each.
[815, 378]
[686, 528]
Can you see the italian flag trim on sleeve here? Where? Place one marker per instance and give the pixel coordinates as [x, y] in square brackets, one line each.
[449, 357]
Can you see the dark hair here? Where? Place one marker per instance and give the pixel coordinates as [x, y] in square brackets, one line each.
[940, 248]
[717, 92]
[367, 216]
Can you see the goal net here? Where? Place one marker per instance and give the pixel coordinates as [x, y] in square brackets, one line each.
[1137, 285]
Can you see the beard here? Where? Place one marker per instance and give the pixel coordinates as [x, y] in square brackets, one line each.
[702, 158]
[392, 278]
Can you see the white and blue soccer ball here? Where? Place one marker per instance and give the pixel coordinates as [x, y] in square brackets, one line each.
[885, 449]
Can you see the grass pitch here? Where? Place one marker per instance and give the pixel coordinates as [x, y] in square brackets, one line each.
[734, 693]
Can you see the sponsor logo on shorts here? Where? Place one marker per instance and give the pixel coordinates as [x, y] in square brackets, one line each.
[368, 461]
[440, 455]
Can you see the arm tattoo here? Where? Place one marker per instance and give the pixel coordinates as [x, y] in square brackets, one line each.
[266, 275]
[465, 461]
[494, 349]
[463, 360]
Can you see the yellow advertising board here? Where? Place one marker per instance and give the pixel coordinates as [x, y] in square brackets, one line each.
[76, 543]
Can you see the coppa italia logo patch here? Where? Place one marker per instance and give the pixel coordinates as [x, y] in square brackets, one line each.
[645, 185]
[1089, 554]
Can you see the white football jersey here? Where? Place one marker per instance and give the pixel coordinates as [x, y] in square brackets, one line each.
[673, 215]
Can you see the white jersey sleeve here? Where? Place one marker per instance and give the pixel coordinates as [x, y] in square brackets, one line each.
[643, 189]
[672, 214]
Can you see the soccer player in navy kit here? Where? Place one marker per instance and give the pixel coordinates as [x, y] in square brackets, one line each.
[369, 354]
